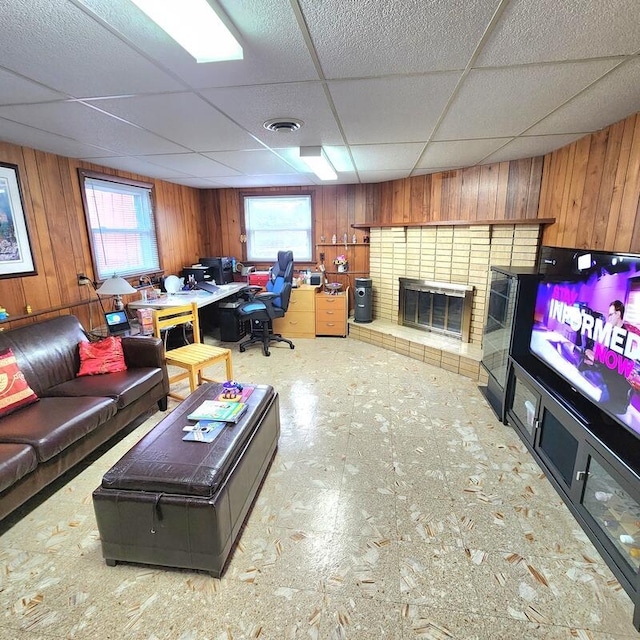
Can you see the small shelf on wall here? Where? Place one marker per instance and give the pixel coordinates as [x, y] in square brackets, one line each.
[342, 244]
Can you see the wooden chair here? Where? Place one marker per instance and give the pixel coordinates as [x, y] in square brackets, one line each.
[194, 357]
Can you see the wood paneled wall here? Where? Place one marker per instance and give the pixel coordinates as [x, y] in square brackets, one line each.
[59, 240]
[592, 189]
[508, 190]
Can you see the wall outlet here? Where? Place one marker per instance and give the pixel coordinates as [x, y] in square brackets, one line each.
[83, 280]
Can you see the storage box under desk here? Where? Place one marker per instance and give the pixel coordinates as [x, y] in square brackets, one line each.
[181, 504]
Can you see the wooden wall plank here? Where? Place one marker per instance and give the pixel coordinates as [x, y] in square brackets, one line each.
[618, 186]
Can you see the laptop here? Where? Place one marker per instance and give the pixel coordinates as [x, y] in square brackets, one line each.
[207, 286]
[117, 323]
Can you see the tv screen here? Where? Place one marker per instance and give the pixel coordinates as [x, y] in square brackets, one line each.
[587, 326]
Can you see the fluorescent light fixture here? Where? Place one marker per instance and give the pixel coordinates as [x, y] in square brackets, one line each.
[317, 161]
[195, 26]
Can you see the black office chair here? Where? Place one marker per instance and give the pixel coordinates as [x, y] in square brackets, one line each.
[261, 308]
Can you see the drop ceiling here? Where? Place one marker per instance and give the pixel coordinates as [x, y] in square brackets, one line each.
[390, 88]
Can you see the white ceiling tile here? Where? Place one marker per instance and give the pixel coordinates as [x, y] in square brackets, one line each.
[193, 164]
[497, 103]
[24, 135]
[14, 90]
[458, 152]
[530, 147]
[373, 37]
[184, 118]
[613, 98]
[75, 120]
[382, 176]
[391, 109]
[261, 181]
[252, 106]
[258, 161]
[137, 165]
[394, 157]
[549, 30]
[83, 59]
[198, 183]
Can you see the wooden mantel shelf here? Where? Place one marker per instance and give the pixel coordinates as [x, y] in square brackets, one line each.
[452, 223]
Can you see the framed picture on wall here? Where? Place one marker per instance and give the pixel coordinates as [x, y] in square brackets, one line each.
[16, 258]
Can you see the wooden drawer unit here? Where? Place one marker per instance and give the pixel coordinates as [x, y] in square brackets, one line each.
[331, 314]
[299, 320]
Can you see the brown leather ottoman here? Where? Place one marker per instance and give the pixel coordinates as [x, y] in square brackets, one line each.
[181, 504]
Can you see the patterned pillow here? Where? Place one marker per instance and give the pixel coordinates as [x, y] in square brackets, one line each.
[14, 390]
[105, 356]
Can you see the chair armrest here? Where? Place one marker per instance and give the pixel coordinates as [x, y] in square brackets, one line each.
[249, 292]
[266, 296]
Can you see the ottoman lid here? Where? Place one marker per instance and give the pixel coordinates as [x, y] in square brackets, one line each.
[163, 463]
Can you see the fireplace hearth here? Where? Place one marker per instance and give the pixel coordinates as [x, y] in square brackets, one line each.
[440, 307]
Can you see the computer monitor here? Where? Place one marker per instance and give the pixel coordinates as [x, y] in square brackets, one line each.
[117, 323]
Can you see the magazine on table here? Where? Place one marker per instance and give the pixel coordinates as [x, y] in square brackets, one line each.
[225, 411]
[203, 431]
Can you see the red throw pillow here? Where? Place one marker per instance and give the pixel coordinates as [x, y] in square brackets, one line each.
[14, 390]
[105, 356]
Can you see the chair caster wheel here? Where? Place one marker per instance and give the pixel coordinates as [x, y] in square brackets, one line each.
[292, 346]
[242, 349]
[267, 353]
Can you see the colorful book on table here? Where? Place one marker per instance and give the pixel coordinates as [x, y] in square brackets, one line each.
[224, 411]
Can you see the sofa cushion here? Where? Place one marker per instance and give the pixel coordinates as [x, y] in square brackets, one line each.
[52, 424]
[124, 387]
[105, 356]
[15, 392]
[16, 461]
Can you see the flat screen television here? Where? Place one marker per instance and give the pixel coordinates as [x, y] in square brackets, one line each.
[586, 326]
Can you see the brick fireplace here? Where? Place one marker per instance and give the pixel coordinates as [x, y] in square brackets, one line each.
[454, 254]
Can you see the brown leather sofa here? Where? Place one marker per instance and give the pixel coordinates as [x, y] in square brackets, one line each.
[73, 416]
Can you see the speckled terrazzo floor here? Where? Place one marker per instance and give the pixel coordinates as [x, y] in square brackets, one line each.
[396, 507]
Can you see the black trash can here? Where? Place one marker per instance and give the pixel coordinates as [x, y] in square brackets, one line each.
[363, 300]
[232, 327]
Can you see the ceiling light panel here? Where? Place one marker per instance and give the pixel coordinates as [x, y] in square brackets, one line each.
[195, 26]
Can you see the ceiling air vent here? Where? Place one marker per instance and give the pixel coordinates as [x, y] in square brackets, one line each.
[283, 125]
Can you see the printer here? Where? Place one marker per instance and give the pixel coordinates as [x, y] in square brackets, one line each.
[219, 269]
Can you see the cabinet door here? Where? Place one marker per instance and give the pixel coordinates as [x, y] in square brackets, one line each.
[497, 330]
[558, 442]
[522, 406]
[612, 503]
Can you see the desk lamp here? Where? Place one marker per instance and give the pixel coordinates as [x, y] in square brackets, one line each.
[115, 286]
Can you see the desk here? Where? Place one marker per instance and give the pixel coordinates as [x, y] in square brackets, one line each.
[208, 318]
[201, 298]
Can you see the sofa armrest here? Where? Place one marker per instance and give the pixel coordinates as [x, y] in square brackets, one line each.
[143, 351]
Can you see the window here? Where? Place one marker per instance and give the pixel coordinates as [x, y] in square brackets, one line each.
[275, 223]
[121, 225]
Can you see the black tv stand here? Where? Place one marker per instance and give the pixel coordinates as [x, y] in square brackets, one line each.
[592, 461]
